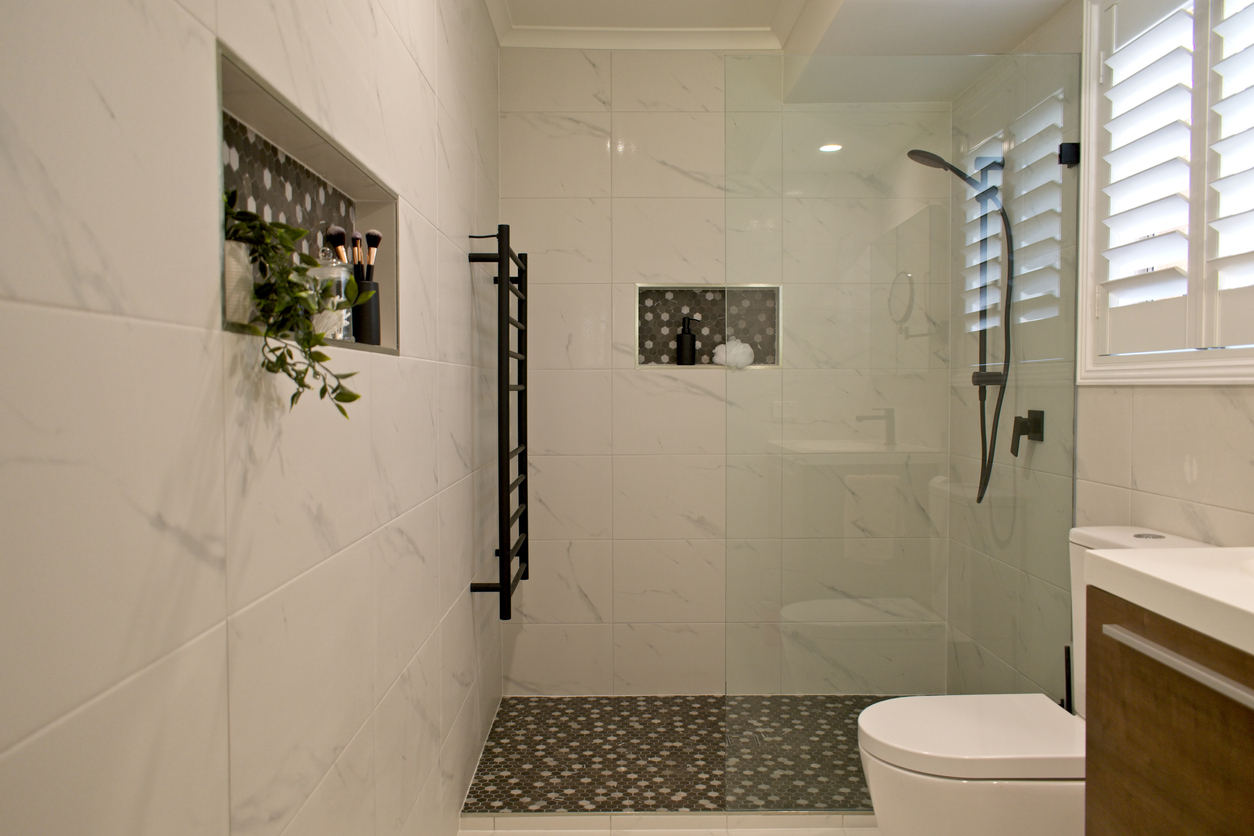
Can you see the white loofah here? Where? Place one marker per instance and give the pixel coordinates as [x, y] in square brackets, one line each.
[734, 355]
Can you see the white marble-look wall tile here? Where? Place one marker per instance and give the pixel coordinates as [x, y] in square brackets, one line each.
[569, 413]
[145, 758]
[753, 580]
[674, 497]
[109, 134]
[427, 816]
[755, 240]
[1098, 504]
[571, 80]
[668, 80]
[567, 240]
[555, 155]
[112, 504]
[411, 114]
[834, 495]
[1206, 523]
[407, 589]
[571, 582]
[1044, 627]
[984, 599]
[418, 289]
[872, 162]
[754, 658]
[558, 659]
[571, 497]
[669, 581]
[680, 411]
[458, 668]
[668, 155]
[456, 212]
[455, 325]
[456, 427]
[670, 658]
[301, 684]
[754, 83]
[458, 756]
[974, 669]
[457, 540]
[826, 327]
[1190, 443]
[457, 66]
[830, 239]
[415, 21]
[755, 495]
[755, 155]
[667, 240]
[344, 801]
[568, 327]
[407, 742]
[863, 658]
[403, 418]
[863, 580]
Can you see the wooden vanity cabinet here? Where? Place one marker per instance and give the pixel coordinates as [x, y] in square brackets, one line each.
[1166, 754]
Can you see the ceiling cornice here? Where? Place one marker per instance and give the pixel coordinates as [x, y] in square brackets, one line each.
[784, 28]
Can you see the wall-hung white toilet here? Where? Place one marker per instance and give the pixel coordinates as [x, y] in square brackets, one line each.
[990, 764]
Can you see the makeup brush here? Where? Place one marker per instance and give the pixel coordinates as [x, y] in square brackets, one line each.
[359, 268]
[335, 238]
[373, 239]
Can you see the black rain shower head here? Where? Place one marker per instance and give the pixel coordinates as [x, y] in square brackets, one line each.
[931, 160]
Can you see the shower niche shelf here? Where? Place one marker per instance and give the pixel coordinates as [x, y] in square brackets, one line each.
[277, 158]
[748, 313]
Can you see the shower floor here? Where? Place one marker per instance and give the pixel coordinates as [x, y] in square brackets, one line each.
[672, 754]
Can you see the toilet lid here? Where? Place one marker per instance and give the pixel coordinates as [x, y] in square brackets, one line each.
[1009, 736]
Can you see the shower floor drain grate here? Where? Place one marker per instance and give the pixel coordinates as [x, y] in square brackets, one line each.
[672, 754]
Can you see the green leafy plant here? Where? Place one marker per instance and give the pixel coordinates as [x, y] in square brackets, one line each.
[287, 301]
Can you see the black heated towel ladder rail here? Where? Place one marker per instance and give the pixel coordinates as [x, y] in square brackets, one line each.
[509, 324]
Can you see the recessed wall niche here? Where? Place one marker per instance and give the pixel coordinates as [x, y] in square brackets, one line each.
[312, 182]
[749, 313]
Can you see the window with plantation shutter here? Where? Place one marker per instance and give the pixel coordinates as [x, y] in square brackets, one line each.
[1170, 246]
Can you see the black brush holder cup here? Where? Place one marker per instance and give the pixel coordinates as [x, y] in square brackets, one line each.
[366, 315]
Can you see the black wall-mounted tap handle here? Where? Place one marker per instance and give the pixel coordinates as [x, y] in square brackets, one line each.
[1033, 427]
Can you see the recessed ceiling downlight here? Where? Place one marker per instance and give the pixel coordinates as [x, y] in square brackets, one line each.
[830, 148]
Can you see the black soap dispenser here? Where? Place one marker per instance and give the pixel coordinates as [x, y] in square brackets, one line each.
[686, 344]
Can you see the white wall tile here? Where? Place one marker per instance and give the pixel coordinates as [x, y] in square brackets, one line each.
[571, 582]
[668, 240]
[668, 155]
[1044, 626]
[984, 599]
[754, 82]
[571, 497]
[1207, 523]
[569, 413]
[418, 289]
[555, 80]
[147, 757]
[455, 326]
[403, 413]
[670, 581]
[973, 669]
[830, 239]
[568, 327]
[458, 667]
[753, 579]
[668, 80]
[458, 757]
[410, 113]
[675, 497]
[416, 23]
[344, 801]
[567, 240]
[863, 658]
[558, 659]
[755, 155]
[407, 588]
[658, 411]
[456, 427]
[407, 741]
[110, 134]
[625, 301]
[755, 494]
[755, 240]
[1098, 504]
[301, 684]
[670, 658]
[457, 541]
[456, 170]
[112, 504]
[754, 658]
[555, 155]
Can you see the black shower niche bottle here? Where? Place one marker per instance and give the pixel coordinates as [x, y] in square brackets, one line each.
[686, 344]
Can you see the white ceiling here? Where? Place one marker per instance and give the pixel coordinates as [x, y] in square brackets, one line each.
[836, 27]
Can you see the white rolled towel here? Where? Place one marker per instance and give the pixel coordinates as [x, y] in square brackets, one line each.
[734, 355]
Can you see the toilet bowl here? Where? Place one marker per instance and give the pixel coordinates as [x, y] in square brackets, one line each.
[990, 764]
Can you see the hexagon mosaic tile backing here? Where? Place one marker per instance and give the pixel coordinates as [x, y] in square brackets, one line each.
[279, 188]
[672, 754]
[750, 314]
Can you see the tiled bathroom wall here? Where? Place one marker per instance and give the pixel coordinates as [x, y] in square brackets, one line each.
[219, 615]
[612, 174]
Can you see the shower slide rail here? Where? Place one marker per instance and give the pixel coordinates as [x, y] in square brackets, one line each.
[511, 327]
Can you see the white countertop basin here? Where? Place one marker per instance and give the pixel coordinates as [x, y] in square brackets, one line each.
[1209, 590]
